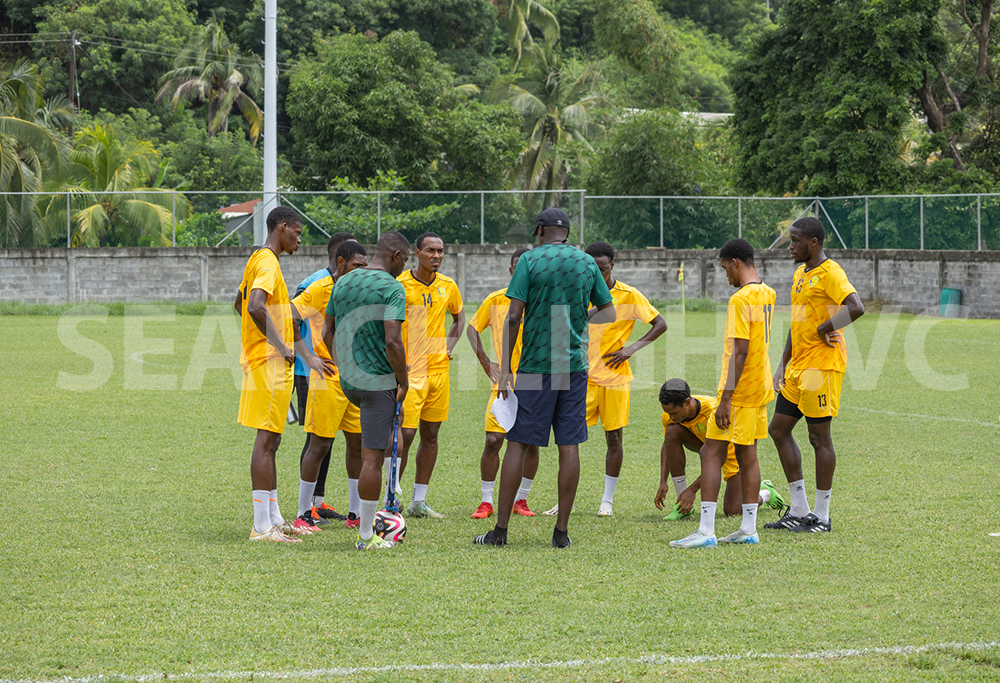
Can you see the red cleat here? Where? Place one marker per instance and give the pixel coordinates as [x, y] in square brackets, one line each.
[483, 511]
[521, 508]
[353, 521]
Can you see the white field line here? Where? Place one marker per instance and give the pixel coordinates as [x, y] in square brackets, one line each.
[939, 418]
[523, 665]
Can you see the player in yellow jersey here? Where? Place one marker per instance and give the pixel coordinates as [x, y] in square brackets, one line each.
[493, 314]
[811, 371]
[610, 376]
[327, 408]
[745, 388]
[685, 425]
[429, 296]
[267, 335]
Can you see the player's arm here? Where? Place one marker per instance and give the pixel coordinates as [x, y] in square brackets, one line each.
[238, 304]
[786, 355]
[257, 310]
[661, 493]
[491, 369]
[455, 333]
[604, 314]
[329, 329]
[396, 354]
[736, 362]
[685, 499]
[617, 358]
[850, 310]
[323, 366]
[514, 315]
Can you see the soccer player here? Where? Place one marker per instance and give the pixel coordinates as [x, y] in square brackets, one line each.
[322, 510]
[365, 316]
[552, 287]
[428, 352]
[327, 410]
[267, 335]
[610, 375]
[685, 424]
[493, 314]
[744, 392]
[811, 371]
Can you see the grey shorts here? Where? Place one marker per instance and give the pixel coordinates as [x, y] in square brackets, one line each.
[378, 408]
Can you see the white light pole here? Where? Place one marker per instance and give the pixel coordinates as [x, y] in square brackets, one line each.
[270, 116]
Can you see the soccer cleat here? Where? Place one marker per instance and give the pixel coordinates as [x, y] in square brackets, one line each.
[676, 514]
[483, 511]
[326, 511]
[289, 529]
[305, 522]
[317, 520]
[553, 511]
[521, 508]
[695, 540]
[376, 542]
[490, 538]
[273, 535]
[353, 521]
[777, 501]
[605, 509]
[787, 521]
[560, 540]
[420, 508]
[811, 523]
[740, 537]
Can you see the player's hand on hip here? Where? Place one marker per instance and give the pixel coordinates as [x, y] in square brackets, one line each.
[616, 359]
[832, 339]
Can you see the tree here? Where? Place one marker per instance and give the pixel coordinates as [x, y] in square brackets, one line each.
[213, 70]
[518, 13]
[729, 19]
[479, 144]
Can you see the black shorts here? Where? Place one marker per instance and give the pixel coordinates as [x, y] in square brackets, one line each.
[785, 407]
[378, 409]
[550, 402]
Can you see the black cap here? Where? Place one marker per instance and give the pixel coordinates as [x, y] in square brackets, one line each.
[551, 216]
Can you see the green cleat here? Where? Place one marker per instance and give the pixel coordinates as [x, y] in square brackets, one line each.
[676, 514]
[376, 542]
[420, 508]
[777, 501]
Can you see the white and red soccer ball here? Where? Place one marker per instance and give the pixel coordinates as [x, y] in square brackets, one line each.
[390, 525]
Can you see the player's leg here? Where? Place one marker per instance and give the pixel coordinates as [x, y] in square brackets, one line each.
[569, 427]
[377, 410]
[413, 405]
[510, 472]
[712, 454]
[749, 481]
[612, 469]
[427, 451]
[263, 477]
[732, 500]
[489, 465]
[319, 447]
[673, 463]
[786, 416]
[826, 462]
[352, 459]
[527, 479]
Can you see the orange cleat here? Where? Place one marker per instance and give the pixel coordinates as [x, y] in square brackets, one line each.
[483, 511]
[521, 508]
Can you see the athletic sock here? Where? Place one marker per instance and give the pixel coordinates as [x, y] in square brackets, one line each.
[610, 484]
[765, 496]
[276, 518]
[487, 487]
[524, 489]
[823, 505]
[680, 483]
[354, 500]
[749, 525]
[306, 489]
[707, 525]
[419, 492]
[368, 508]
[261, 511]
[800, 506]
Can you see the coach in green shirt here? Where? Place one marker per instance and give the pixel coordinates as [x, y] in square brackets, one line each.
[552, 287]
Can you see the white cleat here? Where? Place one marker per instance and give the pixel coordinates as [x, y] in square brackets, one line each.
[553, 511]
[695, 540]
[740, 537]
[605, 509]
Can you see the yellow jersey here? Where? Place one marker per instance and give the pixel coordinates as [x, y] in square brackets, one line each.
[817, 296]
[630, 305]
[424, 331]
[697, 425]
[492, 313]
[263, 272]
[311, 305]
[749, 317]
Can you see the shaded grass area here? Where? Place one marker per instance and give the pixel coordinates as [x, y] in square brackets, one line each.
[123, 538]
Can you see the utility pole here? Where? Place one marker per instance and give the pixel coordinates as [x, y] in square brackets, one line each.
[270, 111]
[72, 74]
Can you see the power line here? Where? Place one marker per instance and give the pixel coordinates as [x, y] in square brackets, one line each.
[168, 51]
[113, 79]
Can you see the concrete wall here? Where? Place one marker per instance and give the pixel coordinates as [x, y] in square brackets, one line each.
[911, 279]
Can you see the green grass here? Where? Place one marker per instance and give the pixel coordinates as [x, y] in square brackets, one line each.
[126, 512]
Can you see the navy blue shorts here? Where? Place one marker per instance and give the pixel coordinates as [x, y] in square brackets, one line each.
[556, 402]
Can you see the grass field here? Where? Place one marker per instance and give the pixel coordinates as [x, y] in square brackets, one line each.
[126, 511]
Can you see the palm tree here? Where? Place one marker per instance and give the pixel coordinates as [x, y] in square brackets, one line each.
[32, 152]
[519, 13]
[213, 70]
[556, 109]
[117, 199]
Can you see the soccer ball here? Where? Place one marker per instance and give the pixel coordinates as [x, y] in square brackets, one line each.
[390, 525]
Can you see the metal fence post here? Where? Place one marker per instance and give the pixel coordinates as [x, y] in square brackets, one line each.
[482, 218]
[378, 215]
[69, 224]
[866, 222]
[661, 222]
[979, 222]
[582, 193]
[739, 216]
[173, 217]
[921, 223]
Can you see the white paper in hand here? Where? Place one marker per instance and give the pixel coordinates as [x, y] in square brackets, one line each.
[505, 411]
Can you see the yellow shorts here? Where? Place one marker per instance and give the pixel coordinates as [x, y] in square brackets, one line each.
[815, 392]
[328, 411]
[491, 422]
[266, 394]
[746, 425]
[610, 404]
[426, 400]
[730, 468]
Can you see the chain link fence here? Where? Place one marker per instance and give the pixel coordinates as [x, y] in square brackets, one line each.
[164, 218]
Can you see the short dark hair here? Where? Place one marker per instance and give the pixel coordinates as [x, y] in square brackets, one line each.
[348, 249]
[282, 214]
[738, 249]
[517, 254]
[598, 249]
[420, 240]
[674, 392]
[810, 227]
[394, 241]
[336, 239]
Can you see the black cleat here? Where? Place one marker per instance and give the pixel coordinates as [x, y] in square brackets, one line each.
[788, 521]
[491, 538]
[560, 539]
[811, 524]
